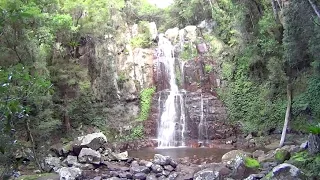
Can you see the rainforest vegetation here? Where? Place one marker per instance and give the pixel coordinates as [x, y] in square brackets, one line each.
[268, 51]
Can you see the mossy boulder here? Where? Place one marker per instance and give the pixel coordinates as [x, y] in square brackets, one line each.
[282, 155]
[251, 163]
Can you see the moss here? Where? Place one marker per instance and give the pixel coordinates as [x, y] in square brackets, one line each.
[309, 164]
[251, 163]
[282, 155]
[145, 103]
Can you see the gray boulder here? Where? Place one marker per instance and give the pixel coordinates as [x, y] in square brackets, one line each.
[69, 173]
[161, 160]
[206, 174]
[52, 163]
[285, 171]
[93, 141]
[139, 169]
[71, 160]
[156, 168]
[88, 155]
[140, 176]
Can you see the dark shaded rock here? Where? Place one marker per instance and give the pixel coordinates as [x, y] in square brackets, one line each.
[169, 168]
[139, 169]
[61, 150]
[127, 175]
[173, 163]
[282, 155]
[314, 143]
[140, 176]
[88, 155]
[93, 141]
[156, 168]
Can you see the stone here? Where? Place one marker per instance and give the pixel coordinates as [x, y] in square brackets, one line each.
[52, 163]
[93, 141]
[166, 173]
[172, 34]
[127, 175]
[97, 178]
[304, 146]
[285, 171]
[249, 137]
[173, 176]
[139, 176]
[202, 48]
[191, 33]
[119, 156]
[169, 168]
[156, 168]
[71, 160]
[233, 154]
[255, 177]
[282, 155]
[206, 174]
[139, 169]
[151, 177]
[146, 163]
[61, 150]
[173, 163]
[88, 155]
[273, 145]
[162, 160]
[314, 143]
[69, 173]
[84, 166]
[239, 167]
[257, 153]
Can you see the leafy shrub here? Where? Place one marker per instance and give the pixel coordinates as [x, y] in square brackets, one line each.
[145, 103]
[143, 39]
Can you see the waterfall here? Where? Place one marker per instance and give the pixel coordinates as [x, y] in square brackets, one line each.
[202, 127]
[172, 123]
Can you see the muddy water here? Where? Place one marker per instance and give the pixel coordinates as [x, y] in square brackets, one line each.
[176, 153]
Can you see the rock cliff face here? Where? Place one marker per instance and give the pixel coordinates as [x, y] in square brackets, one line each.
[119, 72]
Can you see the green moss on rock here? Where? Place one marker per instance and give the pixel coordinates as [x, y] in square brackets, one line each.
[251, 163]
[282, 155]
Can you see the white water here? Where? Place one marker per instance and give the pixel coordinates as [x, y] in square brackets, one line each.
[202, 127]
[172, 126]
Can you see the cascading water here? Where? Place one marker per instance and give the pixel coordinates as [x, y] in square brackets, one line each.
[202, 127]
[172, 123]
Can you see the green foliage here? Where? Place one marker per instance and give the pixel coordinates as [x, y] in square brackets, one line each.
[145, 103]
[189, 52]
[208, 68]
[309, 164]
[143, 39]
[137, 132]
[251, 163]
[314, 129]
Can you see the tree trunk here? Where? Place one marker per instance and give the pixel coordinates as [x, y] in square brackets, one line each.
[315, 8]
[288, 115]
[33, 145]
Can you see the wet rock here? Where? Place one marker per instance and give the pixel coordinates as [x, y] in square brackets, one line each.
[71, 160]
[139, 169]
[162, 160]
[127, 175]
[156, 168]
[88, 155]
[69, 173]
[173, 176]
[285, 171]
[206, 174]
[169, 168]
[166, 173]
[52, 163]
[233, 154]
[140, 176]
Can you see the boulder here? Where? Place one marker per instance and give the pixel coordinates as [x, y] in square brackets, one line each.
[206, 174]
[151, 177]
[156, 168]
[304, 146]
[314, 143]
[282, 155]
[140, 176]
[169, 168]
[93, 141]
[139, 169]
[257, 153]
[191, 33]
[71, 160]
[61, 149]
[173, 176]
[233, 154]
[69, 173]
[88, 155]
[254, 177]
[52, 163]
[161, 160]
[172, 34]
[118, 156]
[285, 171]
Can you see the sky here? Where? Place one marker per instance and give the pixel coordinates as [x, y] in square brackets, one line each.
[161, 3]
